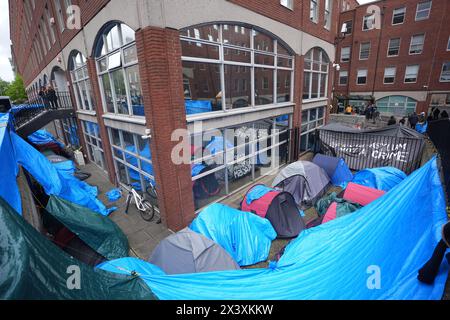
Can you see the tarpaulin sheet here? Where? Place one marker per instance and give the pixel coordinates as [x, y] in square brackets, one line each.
[8, 168]
[54, 183]
[98, 232]
[438, 132]
[384, 178]
[422, 127]
[244, 235]
[197, 106]
[41, 137]
[32, 267]
[395, 235]
[257, 192]
[130, 266]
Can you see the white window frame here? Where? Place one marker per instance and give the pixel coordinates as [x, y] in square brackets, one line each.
[360, 50]
[367, 17]
[320, 73]
[411, 44]
[314, 10]
[442, 72]
[393, 75]
[428, 9]
[358, 76]
[312, 125]
[328, 13]
[289, 4]
[340, 77]
[78, 83]
[252, 65]
[404, 15]
[406, 73]
[94, 141]
[123, 67]
[349, 53]
[389, 46]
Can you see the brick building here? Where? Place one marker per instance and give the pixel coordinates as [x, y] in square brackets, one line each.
[404, 62]
[165, 65]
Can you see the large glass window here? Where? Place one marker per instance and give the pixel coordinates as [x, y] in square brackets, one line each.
[361, 77]
[117, 66]
[81, 83]
[314, 10]
[229, 159]
[70, 128]
[327, 14]
[411, 73]
[423, 10]
[311, 120]
[132, 159]
[345, 54]
[316, 67]
[364, 51]
[389, 75]
[396, 105]
[94, 143]
[231, 66]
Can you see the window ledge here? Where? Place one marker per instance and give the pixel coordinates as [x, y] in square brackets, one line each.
[123, 118]
[315, 100]
[87, 112]
[225, 113]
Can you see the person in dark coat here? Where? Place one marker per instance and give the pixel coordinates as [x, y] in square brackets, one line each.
[392, 121]
[43, 95]
[436, 113]
[52, 97]
[413, 120]
[444, 114]
[402, 121]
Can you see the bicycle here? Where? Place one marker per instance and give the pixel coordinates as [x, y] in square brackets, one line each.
[145, 207]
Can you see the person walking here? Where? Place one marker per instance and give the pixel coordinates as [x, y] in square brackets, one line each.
[52, 97]
[413, 120]
[444, 114]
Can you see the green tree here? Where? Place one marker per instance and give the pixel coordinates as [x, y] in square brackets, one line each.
[4, 85]
[16, 90]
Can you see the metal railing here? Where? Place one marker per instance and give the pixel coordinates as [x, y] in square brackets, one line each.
[362, 150]
[36, 106]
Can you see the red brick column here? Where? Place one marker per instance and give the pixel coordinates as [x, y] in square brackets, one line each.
[92, 70]
[159, 54]
[298, 91]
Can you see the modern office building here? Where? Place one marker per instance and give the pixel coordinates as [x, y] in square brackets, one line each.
[397, 52]
[160, 65]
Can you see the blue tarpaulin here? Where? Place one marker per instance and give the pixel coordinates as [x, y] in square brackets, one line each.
[196, 169]
[384, 178]
[244, 235]
[62, 184]
[197, 106]
[257, 192]
[41, 137]
[129, 266]
[422, 127]
[391, 238]
[8, 168]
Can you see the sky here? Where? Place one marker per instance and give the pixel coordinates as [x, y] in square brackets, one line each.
[5, 50]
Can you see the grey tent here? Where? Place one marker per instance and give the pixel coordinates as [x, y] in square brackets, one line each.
[190, 252]
[305, 180]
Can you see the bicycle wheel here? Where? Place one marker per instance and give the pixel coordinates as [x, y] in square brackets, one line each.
[149, 212]
[151, 191]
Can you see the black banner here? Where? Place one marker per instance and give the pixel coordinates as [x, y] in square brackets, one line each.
[365, 150]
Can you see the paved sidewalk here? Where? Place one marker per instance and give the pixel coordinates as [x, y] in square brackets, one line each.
[143, 236]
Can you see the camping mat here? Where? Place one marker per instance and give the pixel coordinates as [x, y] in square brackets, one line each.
[389, 240]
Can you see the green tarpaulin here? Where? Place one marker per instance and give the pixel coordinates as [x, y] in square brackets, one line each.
[32, 267]
[343, 207]
[97, 231]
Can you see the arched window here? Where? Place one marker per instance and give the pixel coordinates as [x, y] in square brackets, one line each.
[80, 81]
[315, 81]
[396, 105]
[117, 66]
[234, 66]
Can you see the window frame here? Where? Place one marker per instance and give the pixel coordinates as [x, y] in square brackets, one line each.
[340, 77]
[361, 50]
[315, 18]
[417, 73]
[288, 4]
[411, 44]
[442, 72]
[364, 22]
[393, 77]
[429, 10]
[357, 77]
[349, 54]
[320, 74]
[393, 16]
[389, 47]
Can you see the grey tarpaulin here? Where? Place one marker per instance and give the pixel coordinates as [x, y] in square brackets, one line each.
[305, 180]
[190, 252]
[392, 146]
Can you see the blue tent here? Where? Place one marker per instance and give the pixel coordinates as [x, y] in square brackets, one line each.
[41, 137]
[244, 235]
[384, 178]
[197, 106]
[336, 168]
[392, 238]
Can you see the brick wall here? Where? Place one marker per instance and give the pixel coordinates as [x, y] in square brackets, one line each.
[159, 54]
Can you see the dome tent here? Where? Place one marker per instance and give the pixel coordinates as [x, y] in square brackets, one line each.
[277, 207]
[336, 168]
[190, 252]
[304, 180]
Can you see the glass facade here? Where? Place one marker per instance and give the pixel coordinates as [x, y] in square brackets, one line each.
[231, 66]
[228, 159]
[311, 120]
[117, 66]
[396, 105]
[70, 128]
[94, 143]
[81, 83]
[315, 74]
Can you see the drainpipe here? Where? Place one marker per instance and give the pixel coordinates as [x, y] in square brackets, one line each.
[379, 47]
